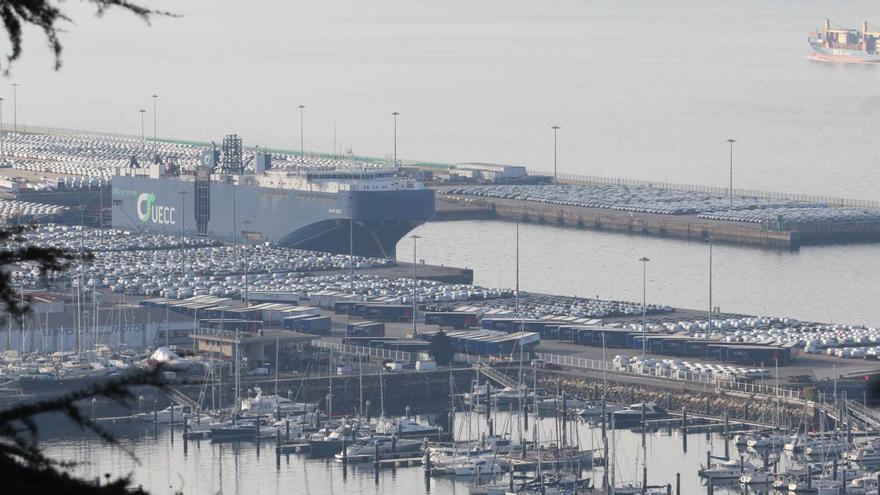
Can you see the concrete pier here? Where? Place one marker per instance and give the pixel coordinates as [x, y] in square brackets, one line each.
[689, 227]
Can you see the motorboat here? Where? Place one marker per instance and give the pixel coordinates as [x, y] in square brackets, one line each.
[594, 409]
[632, 415]
[865, 485]
[381, 444]
[731, 469]
[771, 441]
[262, 405]
[487, 464]
[757, 478]
[405, 427]
[242, 430]
[866, 455]
[741, 439]
[171, 414]
[826, 446]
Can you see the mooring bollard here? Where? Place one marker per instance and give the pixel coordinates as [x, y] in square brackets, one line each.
[277, 448]
[185, 435]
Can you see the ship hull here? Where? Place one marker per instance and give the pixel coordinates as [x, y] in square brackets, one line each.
[300, 219]
[844, 56]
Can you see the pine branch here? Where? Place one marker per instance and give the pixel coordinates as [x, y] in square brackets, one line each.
[44, 14]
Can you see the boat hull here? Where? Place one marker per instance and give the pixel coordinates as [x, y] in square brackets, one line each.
[319, 221]
[842, 55]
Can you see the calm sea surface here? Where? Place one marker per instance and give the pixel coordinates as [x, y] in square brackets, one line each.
[162, 467]
[641, 89]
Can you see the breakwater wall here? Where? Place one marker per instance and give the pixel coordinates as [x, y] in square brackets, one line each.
[688, 227]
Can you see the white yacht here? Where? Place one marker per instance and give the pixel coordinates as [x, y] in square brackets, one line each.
[731, 469]
[773, 440]
[381, 445]
[260, 405]
[407, 427]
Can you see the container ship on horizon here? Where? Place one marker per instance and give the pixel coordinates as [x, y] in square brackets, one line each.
[845, 45]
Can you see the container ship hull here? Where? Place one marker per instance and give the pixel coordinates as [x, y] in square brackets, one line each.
[844, 55]
[320, 221]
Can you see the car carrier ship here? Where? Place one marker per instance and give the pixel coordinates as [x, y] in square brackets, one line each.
[307, 203]
[845, 45]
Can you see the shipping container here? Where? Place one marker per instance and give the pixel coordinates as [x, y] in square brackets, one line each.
[365, 329]
[451, 319]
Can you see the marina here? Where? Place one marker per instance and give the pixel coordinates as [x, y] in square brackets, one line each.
[240, 281]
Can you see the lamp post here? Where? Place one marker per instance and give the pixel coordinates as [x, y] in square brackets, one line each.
[246, 266]
[182, 233]
[709, 331]
[644, 261]
[143, 137]
[1, 129]
[555, 129]
[155, 118]
[516, 293]
[302, 149]
[394, 115]
[730, 191]
[15, 106]
[415, 239]
[350, 246]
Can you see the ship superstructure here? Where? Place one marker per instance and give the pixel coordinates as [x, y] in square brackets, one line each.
[831, 44]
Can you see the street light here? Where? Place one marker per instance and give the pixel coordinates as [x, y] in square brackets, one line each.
[15, 106]
[1, 129]
[394, 115]
[730, 192]
[302, 152]
[415, 239]
[555, 129]
[644, 303]
[155, 118]
[143, 137]
[709, 331]
[246, 266]
[182, 232]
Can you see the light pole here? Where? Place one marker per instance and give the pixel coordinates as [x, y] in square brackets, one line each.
[730, 192]
[555, 129]
[394, 115]
[143, 137]
[709, 330]
[644, 303]
[1, 129]
[350, 246]
[246, 261]
[302, 150]
[155, 118]
[415, 239]
[516, 293]
[182, 232]
[15, 106]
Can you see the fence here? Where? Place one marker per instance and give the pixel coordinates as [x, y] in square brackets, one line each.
[675, 375]
[365, 351]
[715, 191]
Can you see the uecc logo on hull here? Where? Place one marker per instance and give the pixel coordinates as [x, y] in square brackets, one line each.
[149, 212]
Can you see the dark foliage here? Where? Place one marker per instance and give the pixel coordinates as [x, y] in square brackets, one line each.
[46, 15]
[441, 349]
[24, 468]
[47, 259]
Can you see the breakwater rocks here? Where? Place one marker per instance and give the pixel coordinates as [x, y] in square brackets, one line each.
[713, 403]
